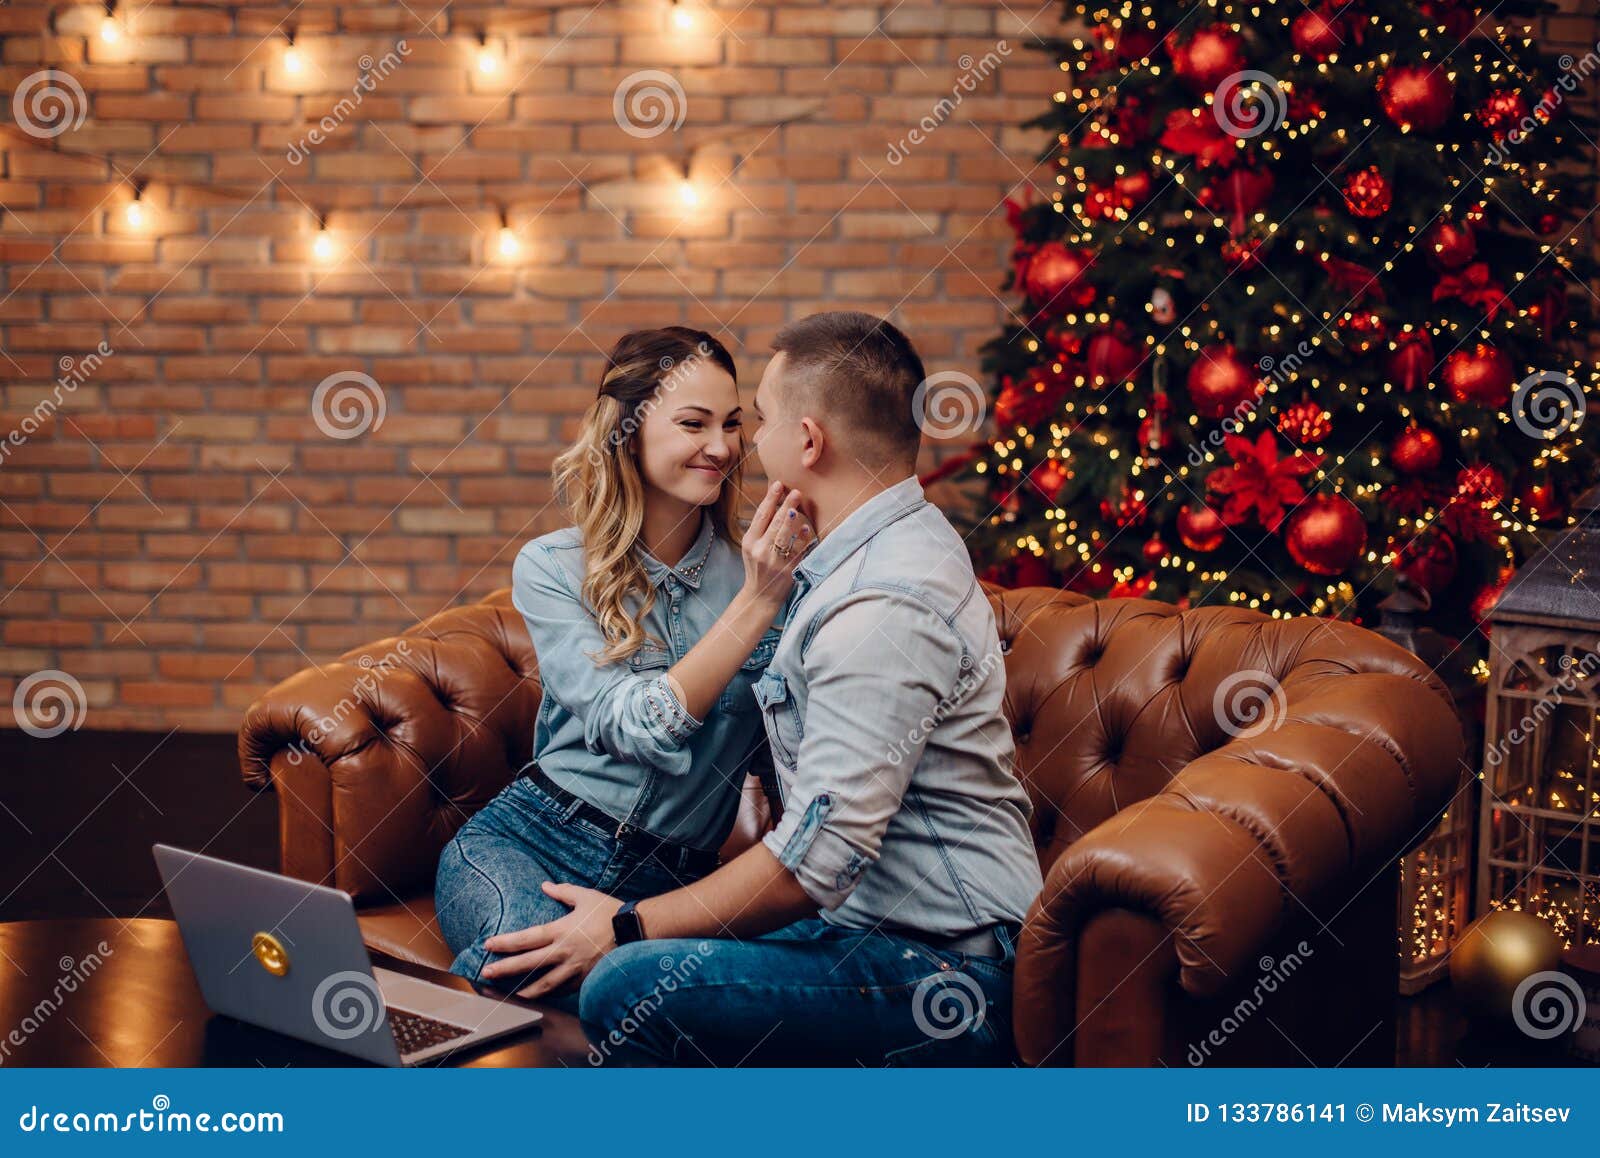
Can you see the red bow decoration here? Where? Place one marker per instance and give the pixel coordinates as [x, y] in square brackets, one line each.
[1475, 286]
[1259, 480]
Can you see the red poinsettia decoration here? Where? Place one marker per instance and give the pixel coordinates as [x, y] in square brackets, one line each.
[1260, 481]
[1474, 285]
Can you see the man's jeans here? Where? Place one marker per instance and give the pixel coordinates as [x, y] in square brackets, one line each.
[490, 876]
[810, 993]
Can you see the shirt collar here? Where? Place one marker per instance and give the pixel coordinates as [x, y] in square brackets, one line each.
[885, 507]
[691, 566]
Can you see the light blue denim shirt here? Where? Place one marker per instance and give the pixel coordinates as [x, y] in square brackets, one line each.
[615, 734]
[893, 758]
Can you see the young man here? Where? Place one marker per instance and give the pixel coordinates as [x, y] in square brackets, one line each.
[902, 821]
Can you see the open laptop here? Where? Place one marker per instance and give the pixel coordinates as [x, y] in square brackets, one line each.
[287, 955]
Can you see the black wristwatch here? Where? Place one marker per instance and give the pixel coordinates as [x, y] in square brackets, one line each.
[626, 926]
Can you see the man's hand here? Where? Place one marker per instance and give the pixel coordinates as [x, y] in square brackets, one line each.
[568, 946]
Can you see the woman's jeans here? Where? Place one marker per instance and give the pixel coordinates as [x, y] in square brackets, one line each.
[490, 876]
[811, 993]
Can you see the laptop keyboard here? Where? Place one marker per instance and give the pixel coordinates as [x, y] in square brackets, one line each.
[414, 1033]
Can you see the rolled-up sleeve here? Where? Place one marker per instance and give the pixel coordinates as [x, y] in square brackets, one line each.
[632, 716]
[863, 734]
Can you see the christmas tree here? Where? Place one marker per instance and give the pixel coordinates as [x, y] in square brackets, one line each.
[1299, 320]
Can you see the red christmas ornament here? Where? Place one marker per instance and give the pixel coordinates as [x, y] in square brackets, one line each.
[1456, 19]
[1431, 564]
[1058, 277]
[1541, 503]
[1208, 58]
[1154, 550]
[1449, 245]
[1417, 450]
[1201, 528]
[1134, 189]
[1326, 534]
[1220, 382]
[1101, 204]
[1112, 356]
[1243, 192]
[1242, 254]
[1501, 111]
[1155, 436]
[1362, 329]
[1549, 223]
[1125, 510]
[1259, 483]
[1483, 602]
[1306, 423]
[1316, 35]
[1411, 359]
[1049, 477]
[1481, 376]
[1416, 96]
[1481, 483]
[1367, 193]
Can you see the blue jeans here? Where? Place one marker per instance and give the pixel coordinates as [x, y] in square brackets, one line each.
[808, 994]
[490, 875]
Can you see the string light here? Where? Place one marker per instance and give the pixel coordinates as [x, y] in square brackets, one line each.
[688, 195]
[508, 244]
[134, 213]
[682, 18]
[293, 63]
[110, 27]
[322, 247]
[488, 57]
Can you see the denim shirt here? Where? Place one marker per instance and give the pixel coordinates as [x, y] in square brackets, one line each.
[616, 735]
[893, 759]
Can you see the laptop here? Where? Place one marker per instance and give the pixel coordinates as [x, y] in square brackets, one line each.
[287, 955]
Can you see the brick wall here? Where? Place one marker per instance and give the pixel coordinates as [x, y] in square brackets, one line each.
[179, 532]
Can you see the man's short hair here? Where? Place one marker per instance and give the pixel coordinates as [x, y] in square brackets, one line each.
[859, 370]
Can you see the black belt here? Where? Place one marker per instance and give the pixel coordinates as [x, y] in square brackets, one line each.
[697, 860]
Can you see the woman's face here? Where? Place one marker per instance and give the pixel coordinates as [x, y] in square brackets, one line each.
[691, 435]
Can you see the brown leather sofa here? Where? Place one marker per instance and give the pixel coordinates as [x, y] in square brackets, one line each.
[1213, 894]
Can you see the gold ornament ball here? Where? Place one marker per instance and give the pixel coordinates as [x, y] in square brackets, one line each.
[1496, 954]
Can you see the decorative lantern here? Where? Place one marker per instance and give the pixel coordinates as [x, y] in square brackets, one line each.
[1436, 876]
[1539, 818]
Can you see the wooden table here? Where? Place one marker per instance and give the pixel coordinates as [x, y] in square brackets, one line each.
[104, 992]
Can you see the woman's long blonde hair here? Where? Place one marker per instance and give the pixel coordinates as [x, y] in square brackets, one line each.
[598, 477]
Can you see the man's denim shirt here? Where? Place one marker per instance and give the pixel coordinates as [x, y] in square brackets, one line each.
[616, 735]
[883, 704]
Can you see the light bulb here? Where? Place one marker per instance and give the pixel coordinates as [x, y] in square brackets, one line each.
[322, 247]
[134, 215]
[488, 59]
[110, 30]
[688, 194]
[509, 245]
[682, 18]
[292, 63]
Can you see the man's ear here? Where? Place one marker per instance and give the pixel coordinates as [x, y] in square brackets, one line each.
[815, 442]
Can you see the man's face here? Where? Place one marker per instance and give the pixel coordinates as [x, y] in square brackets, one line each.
[780, 439]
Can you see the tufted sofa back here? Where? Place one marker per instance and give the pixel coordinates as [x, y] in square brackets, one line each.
[383, 754]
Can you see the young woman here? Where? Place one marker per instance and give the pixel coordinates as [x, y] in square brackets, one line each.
[650, 626]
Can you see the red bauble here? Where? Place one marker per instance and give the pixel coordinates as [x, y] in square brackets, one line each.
[1417, 450]
[1411, 361]
[1431, 564]
[1326, 535]
[1549, 223]
[1367, 193]
[1242, 192]
[1112, 357]
[1483, 602]
[1450, 246]
[1481, 483]
[1316, 35]
[1541, 503]
[1242, 254]
[1481, 376]
[1049, 477]
[1155, 436]
[1154, 549]
[1134, 189]
[1501, 111]
[1306, 423]
[1220, 382]
[1101, 204]
[1125, 510]
[1058, 277]
[1201, 528]
[1208, 58]
[1416, 96]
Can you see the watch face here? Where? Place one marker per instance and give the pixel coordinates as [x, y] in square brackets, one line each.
[625, 926]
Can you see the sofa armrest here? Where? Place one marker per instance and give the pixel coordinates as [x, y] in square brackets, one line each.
[379, 757]
[1293, 819]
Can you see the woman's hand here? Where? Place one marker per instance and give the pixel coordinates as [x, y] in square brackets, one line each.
[567, 947]
[774, 545]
